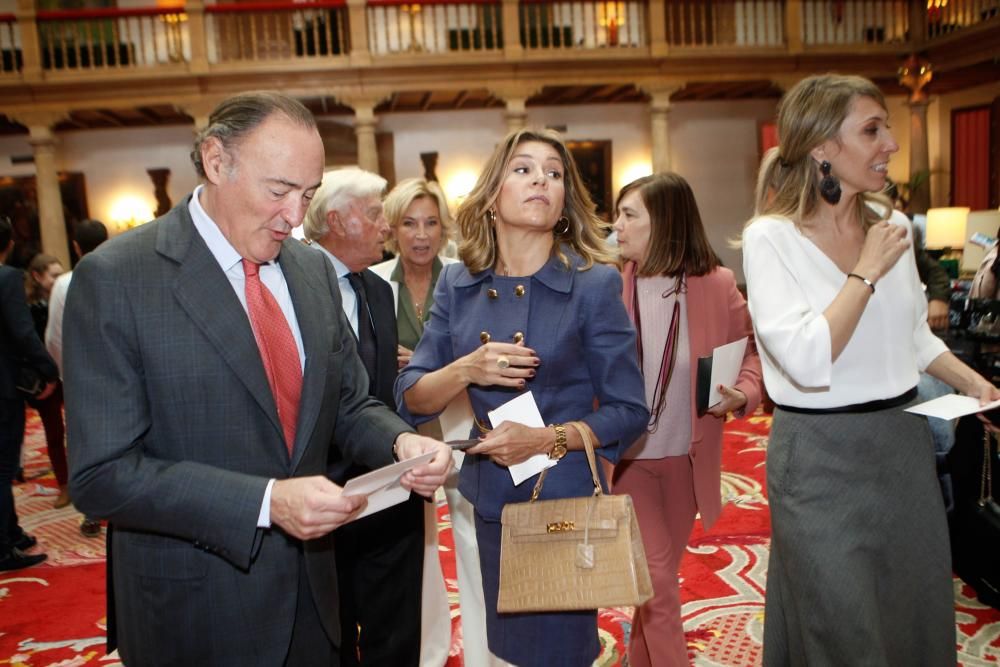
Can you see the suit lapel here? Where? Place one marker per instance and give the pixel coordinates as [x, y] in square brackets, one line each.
[309, 305]
[384, 320]
[206, 295]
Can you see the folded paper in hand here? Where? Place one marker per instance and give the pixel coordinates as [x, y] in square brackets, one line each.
[383, 486]
[723, 367]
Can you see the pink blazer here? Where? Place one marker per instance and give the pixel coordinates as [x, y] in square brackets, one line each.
[717, 314]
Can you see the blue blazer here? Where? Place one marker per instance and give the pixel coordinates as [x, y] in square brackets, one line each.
[576, 322]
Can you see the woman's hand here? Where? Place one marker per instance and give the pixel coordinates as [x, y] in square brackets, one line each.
[732, 400]
[403, 356]
[982, 389]
[499, 364]
[512, 443]
[884, 245]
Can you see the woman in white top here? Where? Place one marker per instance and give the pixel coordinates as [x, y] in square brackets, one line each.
[859, 570]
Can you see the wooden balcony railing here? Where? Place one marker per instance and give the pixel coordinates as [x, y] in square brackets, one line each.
[947, 16]
[836, 22]
[434, 26]
[201, 37]
[10, 46]
[732, 23]
[112, 38]
[593, 24]
[277, 31]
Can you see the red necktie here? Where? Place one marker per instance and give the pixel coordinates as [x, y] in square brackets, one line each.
[277, 350]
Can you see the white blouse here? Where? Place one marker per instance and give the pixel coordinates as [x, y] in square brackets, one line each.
[790, 282]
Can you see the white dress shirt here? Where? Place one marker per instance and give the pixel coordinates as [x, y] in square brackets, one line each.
[272, 277]
[347, 294]
[790, 282]
[54, 326]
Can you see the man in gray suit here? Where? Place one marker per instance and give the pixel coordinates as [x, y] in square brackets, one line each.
[210, 372]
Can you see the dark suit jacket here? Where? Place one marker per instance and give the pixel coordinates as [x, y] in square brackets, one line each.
[19, 343]
[174, 433]
[380, 302]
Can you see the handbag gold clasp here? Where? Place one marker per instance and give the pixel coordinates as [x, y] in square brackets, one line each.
[560, 527]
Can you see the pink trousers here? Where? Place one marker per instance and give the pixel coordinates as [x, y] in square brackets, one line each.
[662, 492]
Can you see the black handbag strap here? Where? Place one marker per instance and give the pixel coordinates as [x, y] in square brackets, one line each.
[986, 477]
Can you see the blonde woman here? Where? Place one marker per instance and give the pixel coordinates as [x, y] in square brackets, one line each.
[859, 570]
[535, 306]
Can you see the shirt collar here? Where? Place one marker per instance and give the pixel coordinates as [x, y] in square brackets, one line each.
[339, 266]
[220, 247]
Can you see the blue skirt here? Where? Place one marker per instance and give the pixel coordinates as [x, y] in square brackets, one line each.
[550, 639]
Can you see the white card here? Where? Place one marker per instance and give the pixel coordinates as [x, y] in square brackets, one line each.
[951, 406]
[522, 410]
[382, 486]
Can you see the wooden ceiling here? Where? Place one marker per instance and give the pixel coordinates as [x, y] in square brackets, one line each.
[447, 100]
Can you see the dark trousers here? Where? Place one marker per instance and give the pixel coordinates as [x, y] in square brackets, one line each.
[380, 561]
[11, 435]
[51, 413]
[310, 647]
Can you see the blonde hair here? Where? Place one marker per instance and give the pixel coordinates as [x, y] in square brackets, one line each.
[478, 248]
[338, 189]
[405, 193]
[810, 113]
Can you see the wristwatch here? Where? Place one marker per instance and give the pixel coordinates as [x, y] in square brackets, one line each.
[559, 449]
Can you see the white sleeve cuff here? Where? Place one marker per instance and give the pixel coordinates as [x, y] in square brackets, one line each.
[264, 518]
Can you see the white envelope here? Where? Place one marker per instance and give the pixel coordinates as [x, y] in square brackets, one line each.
[522, 410]
[382, 486]
[726, 363]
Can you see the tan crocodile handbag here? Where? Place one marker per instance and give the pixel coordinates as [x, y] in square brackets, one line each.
[572, 553]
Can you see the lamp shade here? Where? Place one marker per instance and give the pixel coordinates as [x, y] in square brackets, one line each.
[946, 227]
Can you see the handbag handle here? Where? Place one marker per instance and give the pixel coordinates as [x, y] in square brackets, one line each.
[588, 446]
[986, 480]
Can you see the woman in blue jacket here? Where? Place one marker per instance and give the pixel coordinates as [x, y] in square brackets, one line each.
[536, 307]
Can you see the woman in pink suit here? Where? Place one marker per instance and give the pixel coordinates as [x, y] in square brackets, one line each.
[684, 304]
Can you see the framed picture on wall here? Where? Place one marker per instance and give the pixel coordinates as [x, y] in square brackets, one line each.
[593, 159]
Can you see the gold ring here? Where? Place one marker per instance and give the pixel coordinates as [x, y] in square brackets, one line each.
[503, 362]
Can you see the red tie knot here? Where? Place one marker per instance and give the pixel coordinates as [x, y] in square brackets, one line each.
[250, 269]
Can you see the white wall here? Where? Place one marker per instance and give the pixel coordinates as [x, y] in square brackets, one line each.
[114, 163]
[712, 144]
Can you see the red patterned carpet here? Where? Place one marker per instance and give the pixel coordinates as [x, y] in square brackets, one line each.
[54, 614]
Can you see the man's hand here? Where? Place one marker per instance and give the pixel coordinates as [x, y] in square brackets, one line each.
[937, 314]
[310, 507]
[49, 389]
[426, 478]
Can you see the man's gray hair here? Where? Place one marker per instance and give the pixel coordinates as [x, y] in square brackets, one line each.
[237, 116]
[339, 188]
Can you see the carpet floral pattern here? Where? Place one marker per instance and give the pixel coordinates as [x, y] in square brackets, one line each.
[53, 614]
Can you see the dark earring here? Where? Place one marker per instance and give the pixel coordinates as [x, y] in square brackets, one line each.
[491, 217]
[565, 222]
[829, 186]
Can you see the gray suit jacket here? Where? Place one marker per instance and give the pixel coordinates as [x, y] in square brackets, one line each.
[173, 434]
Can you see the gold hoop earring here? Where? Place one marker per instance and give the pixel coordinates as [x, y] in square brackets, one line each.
[566, 224]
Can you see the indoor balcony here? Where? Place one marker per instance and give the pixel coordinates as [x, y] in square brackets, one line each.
[59, 55]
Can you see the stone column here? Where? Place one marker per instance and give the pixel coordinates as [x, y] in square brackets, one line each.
[51, 221]
[659, 125]
[195, 10]
[511, 20]
[915, 74]
[920, 164]
[364, 129]
[200, 110]
[658, 46]
[516, 96]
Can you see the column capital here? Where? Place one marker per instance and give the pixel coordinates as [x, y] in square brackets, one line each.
[914, 75]
[200, 110]
[516, 92]
[363, 101]
[659, 94]
[784, 82]
[38, 122]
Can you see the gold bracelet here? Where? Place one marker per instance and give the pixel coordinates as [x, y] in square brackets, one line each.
[559, 449]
